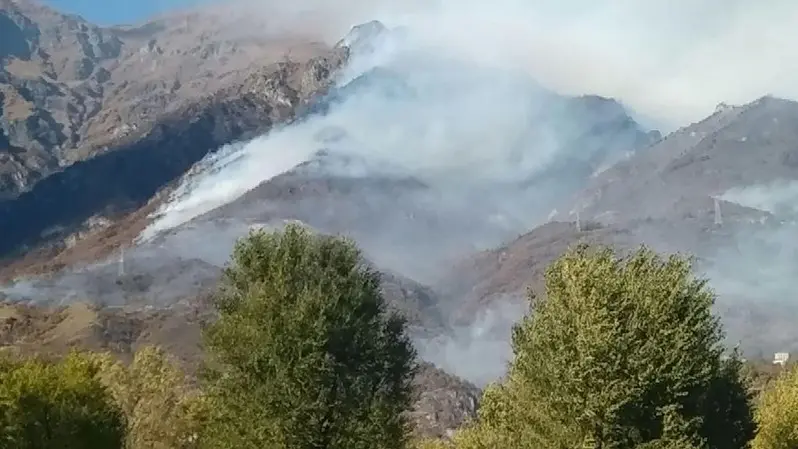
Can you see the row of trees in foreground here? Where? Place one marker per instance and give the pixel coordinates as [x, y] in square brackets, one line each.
[619, 353]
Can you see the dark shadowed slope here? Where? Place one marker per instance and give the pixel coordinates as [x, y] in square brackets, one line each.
[70, 89]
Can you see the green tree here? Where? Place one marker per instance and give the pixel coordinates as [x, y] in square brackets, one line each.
[621, 353]
[777, 413]
[63, 405]
[304, 353]
[162, 411]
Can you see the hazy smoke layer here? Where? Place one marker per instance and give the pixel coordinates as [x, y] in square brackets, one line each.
[779, 197]
[753, 269]
[672, 61]
[160, 272]
[755, 281]
[480, 351]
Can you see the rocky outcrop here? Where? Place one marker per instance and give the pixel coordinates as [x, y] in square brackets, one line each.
[51, 71]
[443, 402]
[139, 165]
[70, 90]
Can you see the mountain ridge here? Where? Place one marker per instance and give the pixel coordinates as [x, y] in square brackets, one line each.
[70, 89]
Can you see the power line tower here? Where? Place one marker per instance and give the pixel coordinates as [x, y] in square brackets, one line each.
[121, 269]
[718, 216]
[578, 222]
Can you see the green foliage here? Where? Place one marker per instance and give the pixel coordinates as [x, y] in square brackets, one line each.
[622, 353]
[161, 410]
[777, 413]
[304, 353]
[62, 405]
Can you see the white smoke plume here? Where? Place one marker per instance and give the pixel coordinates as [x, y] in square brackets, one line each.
[230, 172]
[479, 351]
[779, 197]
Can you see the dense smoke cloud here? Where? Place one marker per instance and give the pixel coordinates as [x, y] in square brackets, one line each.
[460, 156]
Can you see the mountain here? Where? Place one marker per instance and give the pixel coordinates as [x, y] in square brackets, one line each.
[735, 147]
[342, 178]
[460, 182]
[70, 90]
[352, 182]
[722, 189]
[389, 152]
[133, 166]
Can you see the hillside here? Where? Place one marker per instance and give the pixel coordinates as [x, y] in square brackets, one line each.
[459, 181]
[70, 90]
[347, 182]
[736, 147]
[720, 189]
[86, 195]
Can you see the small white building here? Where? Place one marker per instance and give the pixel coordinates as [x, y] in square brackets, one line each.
[781, 358]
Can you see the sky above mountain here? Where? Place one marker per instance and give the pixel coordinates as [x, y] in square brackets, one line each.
[103, 12]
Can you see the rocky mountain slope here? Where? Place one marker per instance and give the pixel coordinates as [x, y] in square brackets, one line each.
[329, 191]
[735, 147]
[88, 193]
[438, 216]
[721, 189]
[70, 90]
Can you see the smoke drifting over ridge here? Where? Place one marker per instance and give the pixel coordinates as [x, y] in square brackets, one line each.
[459, 156]
[754, 273]
[670, 61]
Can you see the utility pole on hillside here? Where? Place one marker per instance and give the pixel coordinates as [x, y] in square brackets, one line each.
[121, 272]
[578, 222]
[718, 216]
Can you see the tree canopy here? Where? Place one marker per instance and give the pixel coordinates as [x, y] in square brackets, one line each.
[305, 353]
[621, 352]
[63, 405]
[777, 413]
[161, 410]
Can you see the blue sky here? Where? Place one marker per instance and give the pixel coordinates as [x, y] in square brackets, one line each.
[114, 12]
